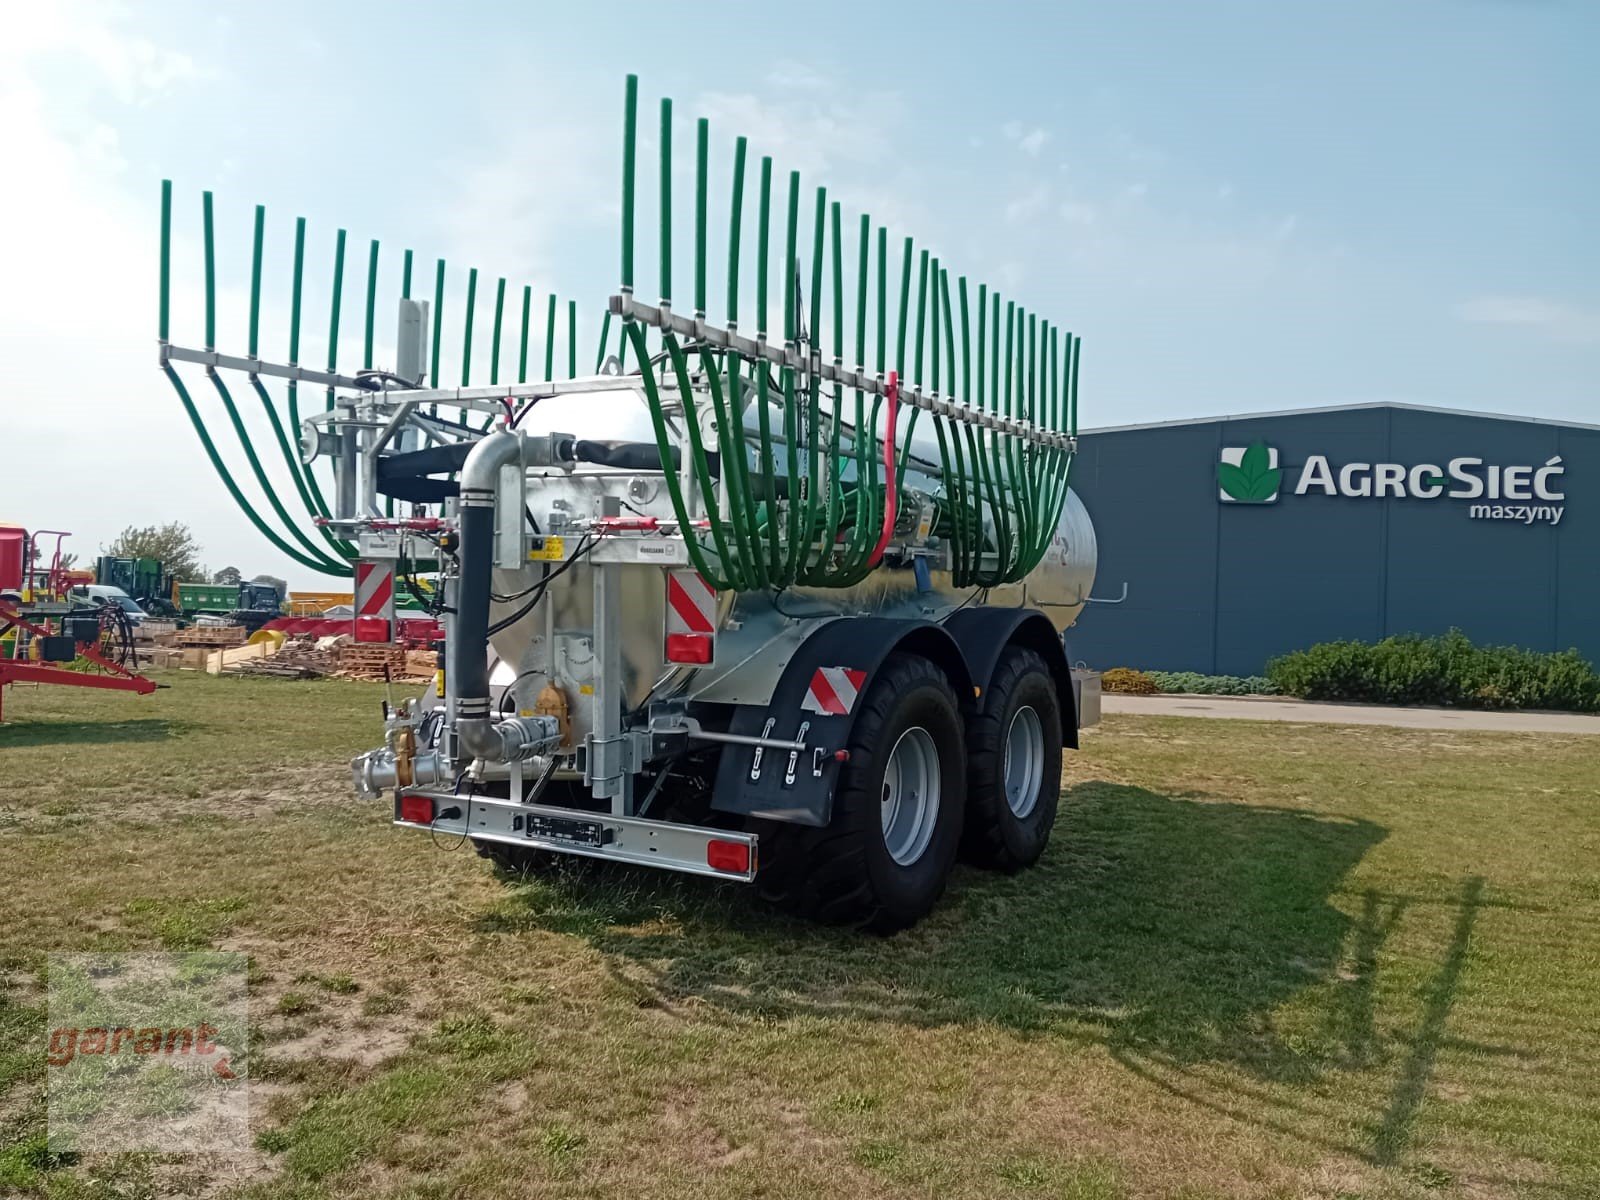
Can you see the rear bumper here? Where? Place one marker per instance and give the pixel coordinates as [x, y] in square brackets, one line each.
[632, 840]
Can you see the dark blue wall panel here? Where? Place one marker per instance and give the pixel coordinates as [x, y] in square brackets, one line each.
[1220, 587]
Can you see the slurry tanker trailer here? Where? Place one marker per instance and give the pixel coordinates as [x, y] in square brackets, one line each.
[772, 603]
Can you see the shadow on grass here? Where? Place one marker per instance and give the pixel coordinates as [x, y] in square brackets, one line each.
[1394, 1131]
[25, 732]
[1161, 926]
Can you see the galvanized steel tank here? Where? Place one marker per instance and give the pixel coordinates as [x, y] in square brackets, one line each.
[553, 640]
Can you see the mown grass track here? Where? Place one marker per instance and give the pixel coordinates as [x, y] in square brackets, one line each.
[1258, 960]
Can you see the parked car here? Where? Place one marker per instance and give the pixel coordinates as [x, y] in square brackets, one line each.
[97, 594]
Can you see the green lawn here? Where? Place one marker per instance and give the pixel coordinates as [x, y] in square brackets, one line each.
[1258, 960]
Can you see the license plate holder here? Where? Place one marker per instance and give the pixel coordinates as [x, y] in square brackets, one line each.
[573, 830]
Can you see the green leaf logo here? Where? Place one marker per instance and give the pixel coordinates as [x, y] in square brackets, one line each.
[1249, 474]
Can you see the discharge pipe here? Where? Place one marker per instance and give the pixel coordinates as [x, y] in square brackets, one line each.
[469, 660]
[478, 734]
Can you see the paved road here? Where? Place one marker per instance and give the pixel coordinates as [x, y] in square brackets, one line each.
[1267, 708]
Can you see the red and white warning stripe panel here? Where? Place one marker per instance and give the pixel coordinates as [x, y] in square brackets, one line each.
[691, 627]
[374, 588]
[691, 603]
[832, 691]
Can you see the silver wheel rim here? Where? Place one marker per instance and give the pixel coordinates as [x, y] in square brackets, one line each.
[910, 796]
[1024, 761]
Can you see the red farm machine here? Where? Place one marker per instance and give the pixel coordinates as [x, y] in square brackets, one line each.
[47, 636]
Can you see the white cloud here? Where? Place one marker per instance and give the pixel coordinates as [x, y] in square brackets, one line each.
[798, 76]
[1554, 319]
[132, 66]
[1076, 212]
[1029, 141]
[510, 215]
[816, 133]
[1029, 205]
[846, 141]
[77, 319]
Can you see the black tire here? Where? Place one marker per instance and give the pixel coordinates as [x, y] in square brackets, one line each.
[844, 874]
[526, 862]
[995, 835]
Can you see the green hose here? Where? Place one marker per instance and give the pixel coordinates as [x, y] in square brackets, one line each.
[522, 354]
[292, 460]
[550, 341]
[343, 570]
[735, 215]
[666, 202]
[494, 341]
[333, 312]
[763, 415]
[372, 305]
[438, 328]
[786, 380]
[319, 559]
[697, 554]
[466, 336]
[1001, 493]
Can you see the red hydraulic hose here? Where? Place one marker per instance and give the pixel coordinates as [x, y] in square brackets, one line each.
[891, 395]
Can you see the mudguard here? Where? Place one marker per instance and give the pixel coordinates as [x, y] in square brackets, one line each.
[816, 702]
[982, 633]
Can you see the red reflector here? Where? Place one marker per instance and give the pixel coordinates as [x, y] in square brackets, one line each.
[689, 647]
[728, 856]
[416, 809]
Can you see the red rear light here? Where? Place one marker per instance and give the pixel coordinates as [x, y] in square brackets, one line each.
[416, 809]
[689, 647]
[728, 856]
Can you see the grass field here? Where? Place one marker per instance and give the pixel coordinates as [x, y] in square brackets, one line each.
[1258, 960]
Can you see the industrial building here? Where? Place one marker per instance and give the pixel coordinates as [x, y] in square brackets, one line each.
[1241, 538]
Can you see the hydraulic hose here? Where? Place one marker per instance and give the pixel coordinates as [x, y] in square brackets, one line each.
[892, 401]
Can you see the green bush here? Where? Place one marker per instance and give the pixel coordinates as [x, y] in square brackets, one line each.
[1126, 679]
[1195, 683]
[1447, 670]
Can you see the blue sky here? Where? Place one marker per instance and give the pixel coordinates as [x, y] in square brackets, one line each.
[1239, 206]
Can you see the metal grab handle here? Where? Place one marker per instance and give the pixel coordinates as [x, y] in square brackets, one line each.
[1103, 600]
[1080, 598]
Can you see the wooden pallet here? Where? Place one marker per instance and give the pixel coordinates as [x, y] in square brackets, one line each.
[227, 635]
[371, 660]
[278, 670]
[309, 657]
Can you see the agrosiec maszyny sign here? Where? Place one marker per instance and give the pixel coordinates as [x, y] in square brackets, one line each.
[1526, 494]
